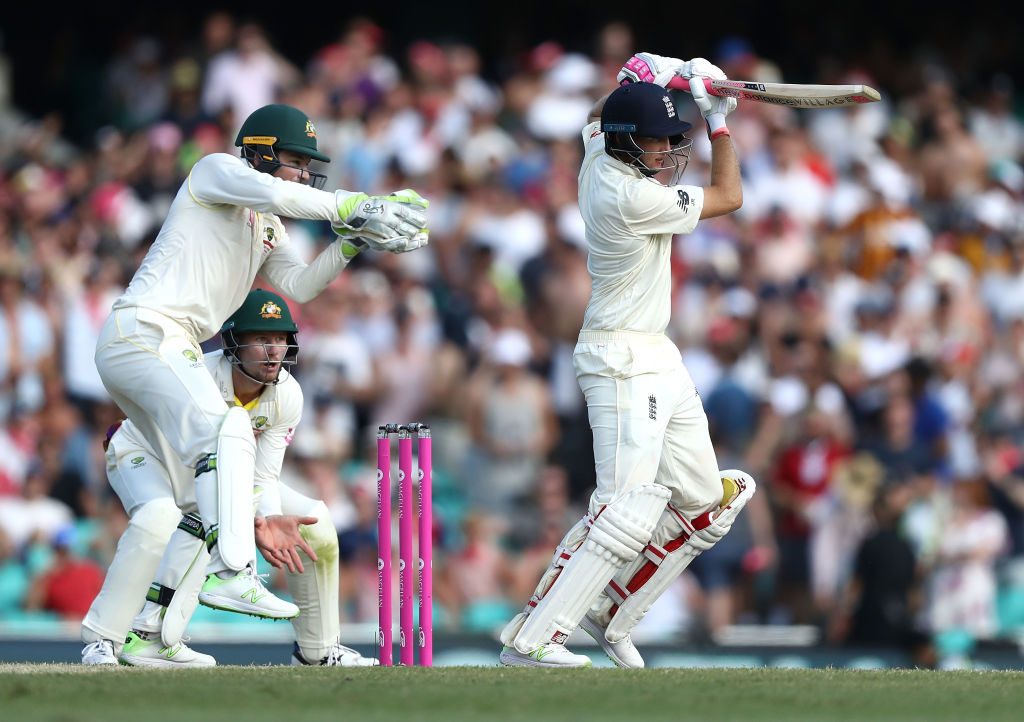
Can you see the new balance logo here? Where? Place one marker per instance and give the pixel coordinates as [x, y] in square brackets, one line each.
[254, 594]
[684, 201]
[652, 407]
[559, 638]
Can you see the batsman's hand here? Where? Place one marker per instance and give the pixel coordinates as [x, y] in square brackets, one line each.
[713, 108]
[277, 538]
[702, 67]
[650, 68]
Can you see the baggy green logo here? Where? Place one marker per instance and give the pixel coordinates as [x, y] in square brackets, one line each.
[190, 355]
[138, 460]
[259, 421]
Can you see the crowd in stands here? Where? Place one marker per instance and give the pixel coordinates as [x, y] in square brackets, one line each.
[856, 330]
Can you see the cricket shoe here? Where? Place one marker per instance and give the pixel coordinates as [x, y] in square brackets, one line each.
[144, 649]
[99, 652]
[623, 652]
[544, 655]
[337, 656]
[245, 593]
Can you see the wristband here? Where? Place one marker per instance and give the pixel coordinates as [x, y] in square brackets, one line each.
[350, 247]
[716, 125]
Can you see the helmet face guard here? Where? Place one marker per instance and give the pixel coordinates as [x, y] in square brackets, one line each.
[262, 312]
[623, 145]
[264, 159]
[233, 349]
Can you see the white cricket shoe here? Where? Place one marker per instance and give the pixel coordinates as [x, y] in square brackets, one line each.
[142, 651]
[337, 656]
[623, 652]
[544, 655]
[100, 652]
[245, 593]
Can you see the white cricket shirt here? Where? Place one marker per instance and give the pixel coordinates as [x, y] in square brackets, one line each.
[221, 231]
[630, 221]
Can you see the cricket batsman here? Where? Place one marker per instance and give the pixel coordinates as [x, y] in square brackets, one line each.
[660, 499]
[222, 230]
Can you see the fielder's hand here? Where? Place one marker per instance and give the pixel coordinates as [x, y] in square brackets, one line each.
[382, 217]
[278, 536]
[650, 68]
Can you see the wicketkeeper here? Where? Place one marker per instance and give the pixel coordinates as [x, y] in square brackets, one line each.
[221, 231]
[660, 499]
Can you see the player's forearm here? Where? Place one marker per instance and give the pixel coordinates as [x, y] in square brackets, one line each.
[595, 111]
[303, 282]
[725, 194]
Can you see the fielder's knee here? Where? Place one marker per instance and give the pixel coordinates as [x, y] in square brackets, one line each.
[157, 518]
[322, 536]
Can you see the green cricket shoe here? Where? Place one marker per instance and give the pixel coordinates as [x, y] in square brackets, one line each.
[144, 649]
[244, 593]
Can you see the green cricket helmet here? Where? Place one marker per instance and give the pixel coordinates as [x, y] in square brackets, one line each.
[262, 311]
[278, 127]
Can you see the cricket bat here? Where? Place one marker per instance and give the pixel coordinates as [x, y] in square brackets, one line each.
[789, 94]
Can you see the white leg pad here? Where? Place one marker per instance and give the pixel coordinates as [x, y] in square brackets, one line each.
[225, 493]
[676, 542]
[618, 533]
[174, 596]
[572, 541]
[136, 560]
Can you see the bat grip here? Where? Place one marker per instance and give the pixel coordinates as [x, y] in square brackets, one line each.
[678, 83]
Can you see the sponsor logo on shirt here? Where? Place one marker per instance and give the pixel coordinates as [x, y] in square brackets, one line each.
[652, 407]
[684, 201]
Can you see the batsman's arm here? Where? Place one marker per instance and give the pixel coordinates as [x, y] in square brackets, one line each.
[725, 194]
[595, 110]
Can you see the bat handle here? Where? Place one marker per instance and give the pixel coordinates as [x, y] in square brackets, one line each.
[678, 83]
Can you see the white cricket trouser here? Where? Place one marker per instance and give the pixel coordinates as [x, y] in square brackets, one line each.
[154, 371]
[155, 498]
[648, 421]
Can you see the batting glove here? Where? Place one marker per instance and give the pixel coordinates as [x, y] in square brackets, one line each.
[714, 109]
[650, 68]
[702, 67]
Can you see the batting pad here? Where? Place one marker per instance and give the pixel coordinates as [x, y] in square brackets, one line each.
[676, 542]
[224, 492]
[617, 535]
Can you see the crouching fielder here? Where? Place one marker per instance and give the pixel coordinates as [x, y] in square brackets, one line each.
[660, 499]
[252, 374]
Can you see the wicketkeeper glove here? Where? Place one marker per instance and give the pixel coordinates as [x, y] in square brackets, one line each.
[397, 227]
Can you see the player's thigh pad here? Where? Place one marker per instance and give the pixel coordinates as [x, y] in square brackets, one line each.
[619, 532]
[676, 542]
[224, 490]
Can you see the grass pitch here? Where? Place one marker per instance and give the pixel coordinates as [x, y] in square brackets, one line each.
[67, 693]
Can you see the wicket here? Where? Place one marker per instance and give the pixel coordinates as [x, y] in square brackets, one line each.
[425, 638]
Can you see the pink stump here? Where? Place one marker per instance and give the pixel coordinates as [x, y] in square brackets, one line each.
[384, 627]
[426, 564]
[405, 514]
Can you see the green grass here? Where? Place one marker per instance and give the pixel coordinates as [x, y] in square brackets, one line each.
[67, 693]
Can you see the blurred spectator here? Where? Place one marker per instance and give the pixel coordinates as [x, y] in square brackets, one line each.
[69, 585]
